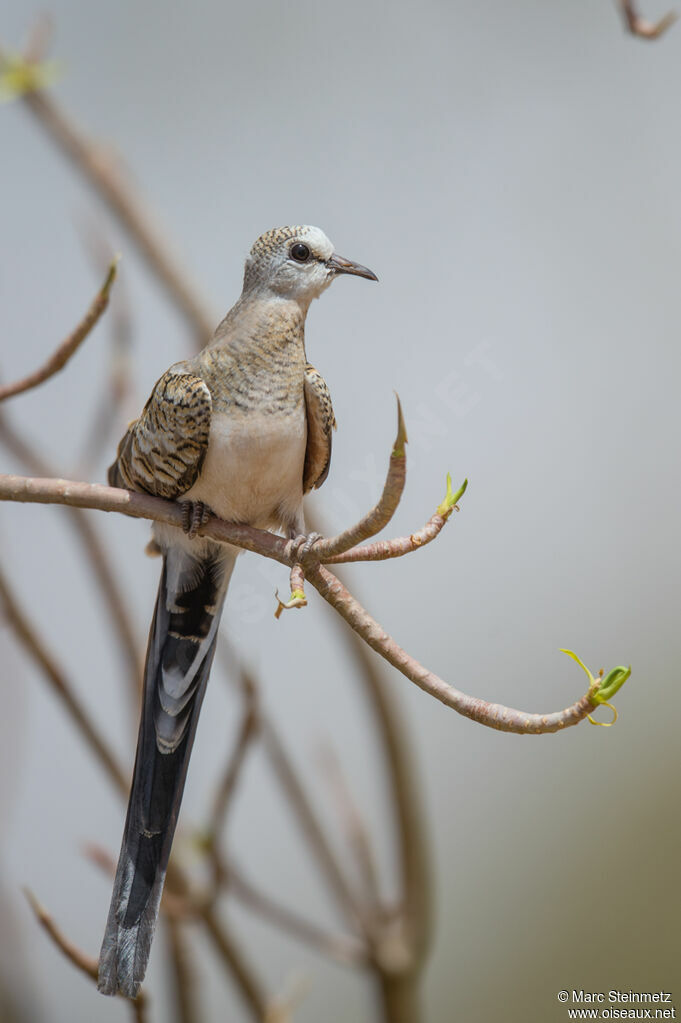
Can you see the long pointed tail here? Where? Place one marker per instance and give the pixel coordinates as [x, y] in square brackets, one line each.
[179, 656]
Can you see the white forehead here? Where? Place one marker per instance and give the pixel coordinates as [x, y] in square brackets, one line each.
[317, 241]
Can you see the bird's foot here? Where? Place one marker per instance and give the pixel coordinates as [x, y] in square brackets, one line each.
[194, 515]
[301, 546]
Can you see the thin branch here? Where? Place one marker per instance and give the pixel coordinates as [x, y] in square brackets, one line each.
[354, 825]
[39, 38]
[142, 506]
[311, 828]
[294, 791]
[641, 27]
[183, 979]
[68, 347]
[343, 948]
[30, 640]
[411, 828]
[493, 715]
[100, 170]
[86, 964]
[97, 557]
[237, 963]
[383, 550]
[248, 730]
[118, 390]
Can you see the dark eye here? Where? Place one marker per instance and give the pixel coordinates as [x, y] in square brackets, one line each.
[300, 252]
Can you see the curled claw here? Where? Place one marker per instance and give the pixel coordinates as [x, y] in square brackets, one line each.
[301, 546]
[194, 515]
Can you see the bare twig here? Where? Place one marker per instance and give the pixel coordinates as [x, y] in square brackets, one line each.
[30, 640]
[141, 506]
[357, 833]
[39, 38]
[493, 715]
[97, 557]
[105, 176]
[115, 405]
[227, 787]
[87, 964]
[342, 948]
[382, 550]
[183, 979]
[237, 963]
[639, 26]
[311, 828]
[68, 347]
[411, 828]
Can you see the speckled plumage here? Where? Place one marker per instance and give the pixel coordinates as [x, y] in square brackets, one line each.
[244, 428]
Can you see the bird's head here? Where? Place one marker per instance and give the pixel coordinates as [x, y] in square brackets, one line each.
[296, 263]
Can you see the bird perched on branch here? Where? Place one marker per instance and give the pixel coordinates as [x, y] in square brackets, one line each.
[243, 431]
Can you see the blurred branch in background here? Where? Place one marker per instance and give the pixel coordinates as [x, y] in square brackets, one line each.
[96, 558]
[68, 347]
[104, 172]
[118, 401]
[87, 964]
[641, 27]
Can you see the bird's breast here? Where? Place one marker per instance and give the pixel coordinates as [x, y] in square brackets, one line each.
[253, 469]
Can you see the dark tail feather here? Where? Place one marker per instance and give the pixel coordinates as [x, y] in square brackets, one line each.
[179, 656]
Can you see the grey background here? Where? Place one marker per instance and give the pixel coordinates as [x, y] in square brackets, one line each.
[511, 172]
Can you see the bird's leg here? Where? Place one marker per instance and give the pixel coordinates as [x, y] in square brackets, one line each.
[194, 515]
[299, 547]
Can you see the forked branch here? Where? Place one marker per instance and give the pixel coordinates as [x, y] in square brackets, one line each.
[493, 715]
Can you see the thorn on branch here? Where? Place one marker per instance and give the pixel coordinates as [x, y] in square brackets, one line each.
[401, 439]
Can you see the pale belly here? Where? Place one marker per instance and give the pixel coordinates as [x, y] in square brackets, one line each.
[253, 470]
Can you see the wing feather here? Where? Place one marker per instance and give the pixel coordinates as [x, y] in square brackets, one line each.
[321, 423]
[162, 452]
